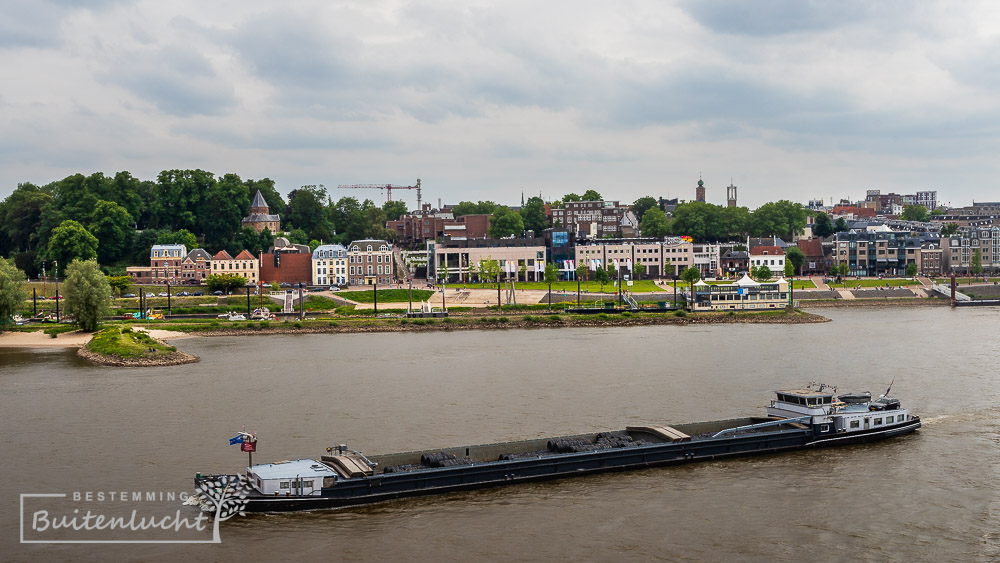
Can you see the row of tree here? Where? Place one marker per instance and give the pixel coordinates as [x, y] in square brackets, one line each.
[116, 219]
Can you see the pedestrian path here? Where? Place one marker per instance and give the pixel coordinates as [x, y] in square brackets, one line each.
[818, 281]
[845, 294]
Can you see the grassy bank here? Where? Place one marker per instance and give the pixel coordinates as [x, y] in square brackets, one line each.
[123, 342]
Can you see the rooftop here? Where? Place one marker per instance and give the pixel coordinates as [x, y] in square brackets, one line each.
[293, 469]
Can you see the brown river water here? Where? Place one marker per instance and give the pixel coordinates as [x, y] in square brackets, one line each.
[68, 426]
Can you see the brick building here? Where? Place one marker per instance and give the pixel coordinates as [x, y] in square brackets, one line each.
[370, 261]
[260, 217]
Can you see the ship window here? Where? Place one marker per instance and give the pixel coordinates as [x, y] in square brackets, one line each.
[855, 424]
[878, 421]
[824, 428]
[283, 485]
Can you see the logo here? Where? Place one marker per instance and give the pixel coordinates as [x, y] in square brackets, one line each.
[133, 516]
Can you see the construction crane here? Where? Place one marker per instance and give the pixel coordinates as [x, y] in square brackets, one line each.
[387, 187]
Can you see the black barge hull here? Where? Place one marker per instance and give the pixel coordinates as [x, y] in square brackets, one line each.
[382, 487]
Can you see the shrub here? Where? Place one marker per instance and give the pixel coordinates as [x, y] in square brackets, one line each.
[681, 313]
[555, 318]
[333, 323]
[602, 316]
[627, 314]
[297, 324]
[264, 324]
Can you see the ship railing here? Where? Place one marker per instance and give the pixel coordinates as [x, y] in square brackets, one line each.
[762, 425]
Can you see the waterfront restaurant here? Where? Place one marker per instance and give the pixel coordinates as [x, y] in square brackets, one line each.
[744, 294]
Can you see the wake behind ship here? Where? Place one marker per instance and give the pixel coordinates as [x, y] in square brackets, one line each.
[796, 419]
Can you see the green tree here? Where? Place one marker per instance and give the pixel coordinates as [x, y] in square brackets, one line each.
[112, 225]
[181, 236]
[142, 243]
[733, 222]
[21, 217]
[505, 223]
[87, 293]
[591, 195]
[778, 218]
[654, 223]
[523, 271]
[394, 210]
[937, 212]
[915, 213]
[469, 208]
[949, 230]
[489, 270]
[976, 265]
[225, 283]
[375, 219]
[550, 277]
[638, 270]
[178, 201]
[120, 283]
[822, 225]
[701, 221]
[581, 272]
[911, 270]
[691, 275]
[763, 273]
[299, 236]
[473, 272]
[229, 200]
[71, 241]
[443, 272]
[13, 290]
[572, 197]
[795, 257]
[533, 215]
[840, 226]
[668, 267]
[307, 210]
[844, 269]
[641, 205]
[601, 276]
[348, 219]
[789, 269]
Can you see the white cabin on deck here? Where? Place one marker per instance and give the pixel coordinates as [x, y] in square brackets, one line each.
[291, 478]
[830, 413]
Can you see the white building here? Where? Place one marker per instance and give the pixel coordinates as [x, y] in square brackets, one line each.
[771, 256]
[329, 265]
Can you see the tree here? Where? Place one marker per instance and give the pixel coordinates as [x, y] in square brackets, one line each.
[21, 216]
[473, 272]
[789, 269]
[762, 273]
[394, 210]
[111, 224]
[348, 219]
[307, 210]
[88, 294]
[937, 212]
[699, 220]
[976, 265]
[641, 205]
[691, 275]
[229, 200]
[120, 283]
[71, 241]
[550, 277]
[822, 226]
[844, 269]
[506, 223]
[840, 226]
[591, 195]
[12, 290]
[638, 269]
[915, 213]
[795, 257]
[443, 271]
[668, 267]
[226, 283]
[654, 223]
[469, 208]
[533, 215]
[523, 271]
[581, 272]
[778, 218]
[571, 197]
[178, 201]
[489, 270]
[911, 270]
[601, 276]
[182, 236]
[949, 230]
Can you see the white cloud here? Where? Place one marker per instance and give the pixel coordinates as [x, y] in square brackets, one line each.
[793, 99]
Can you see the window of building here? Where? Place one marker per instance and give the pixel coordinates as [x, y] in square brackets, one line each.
[877, 422]
[855, 424]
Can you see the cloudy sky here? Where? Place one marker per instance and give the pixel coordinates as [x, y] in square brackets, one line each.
[792, 99]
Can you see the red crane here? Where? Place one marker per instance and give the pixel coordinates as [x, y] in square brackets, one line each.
[387, 187]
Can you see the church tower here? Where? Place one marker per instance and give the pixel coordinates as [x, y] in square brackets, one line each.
[731, 194]
[699, 192]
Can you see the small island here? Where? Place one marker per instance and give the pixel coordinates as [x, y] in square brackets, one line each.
[128, 347]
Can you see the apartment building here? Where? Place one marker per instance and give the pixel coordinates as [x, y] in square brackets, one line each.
[329, 265]
[369, 261]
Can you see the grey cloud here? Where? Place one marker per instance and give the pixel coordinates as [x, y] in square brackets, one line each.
[775, 17]
[177, 80]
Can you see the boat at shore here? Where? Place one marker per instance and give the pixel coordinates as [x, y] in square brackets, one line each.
[796, 419]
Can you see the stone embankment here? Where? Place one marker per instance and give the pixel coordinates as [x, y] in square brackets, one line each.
[872, 303]
[172, 359]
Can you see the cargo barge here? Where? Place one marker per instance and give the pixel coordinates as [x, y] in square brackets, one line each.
[796, 419]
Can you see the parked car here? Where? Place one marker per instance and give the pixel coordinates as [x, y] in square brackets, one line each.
[197, 294]
[334, 288]
[217, 292]
[150, 294]
[183, 294]
[284, 284]
[315, 289]
[129, 295]
[163, 294]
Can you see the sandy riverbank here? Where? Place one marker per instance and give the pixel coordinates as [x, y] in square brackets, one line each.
[76, 339]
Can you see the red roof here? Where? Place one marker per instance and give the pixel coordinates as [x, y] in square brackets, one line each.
[244, 256]
[767, 250]
[811, 247]
[222, 255]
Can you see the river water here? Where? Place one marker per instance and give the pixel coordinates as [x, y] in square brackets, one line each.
[69, 426]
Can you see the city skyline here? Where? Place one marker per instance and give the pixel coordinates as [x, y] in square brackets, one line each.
[787, 100]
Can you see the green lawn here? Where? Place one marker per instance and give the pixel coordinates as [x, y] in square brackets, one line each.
[965, 279]
[387, 295]
[127, 343]
[853, 284]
